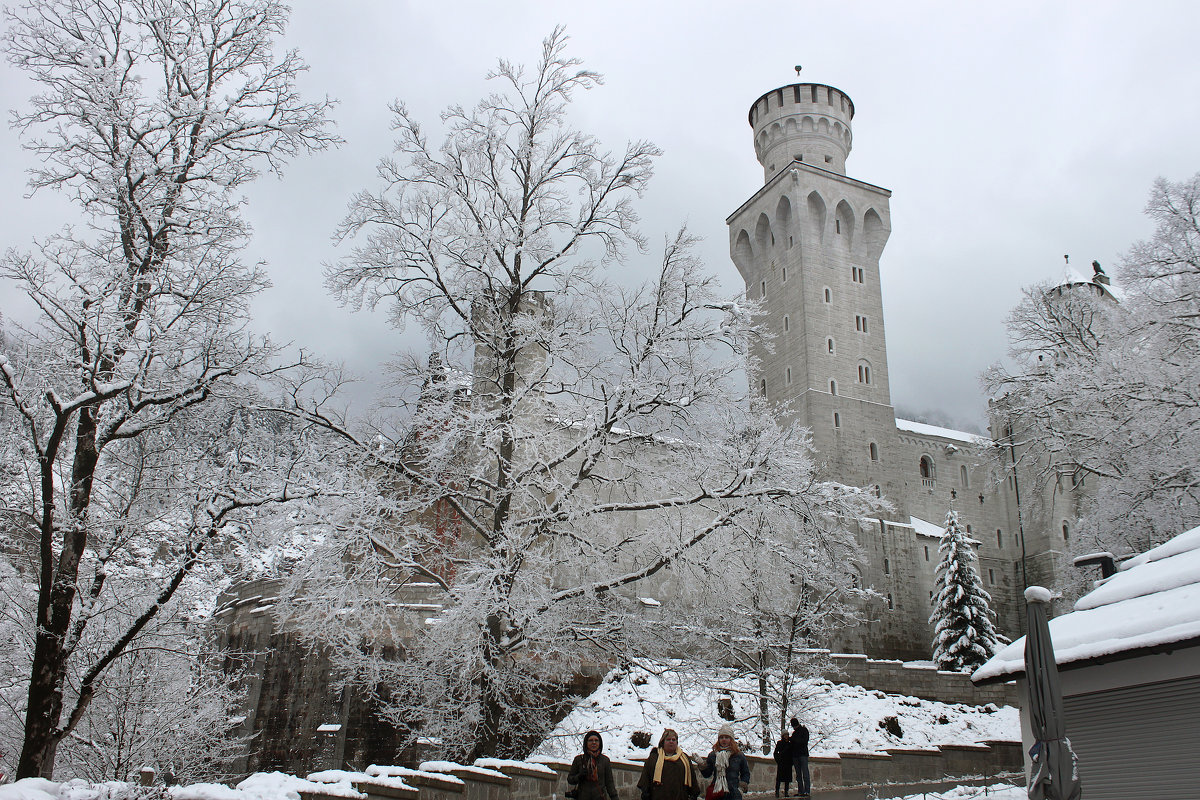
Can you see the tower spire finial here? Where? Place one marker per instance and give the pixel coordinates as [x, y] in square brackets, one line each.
[797, 70]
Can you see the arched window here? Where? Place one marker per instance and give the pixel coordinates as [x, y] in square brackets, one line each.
[927, 472]
[837, 420]
[829, 344]
[962, 475]
[787, 325]
[874, 451]
[833, 388]
[828, 295]
[864, 373]
[789, 376]
[1066, 531]
[999, 539]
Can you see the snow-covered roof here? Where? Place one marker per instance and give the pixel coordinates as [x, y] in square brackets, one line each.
[1074, 278]
[1154, 600]
[924, 528]
[945, 433]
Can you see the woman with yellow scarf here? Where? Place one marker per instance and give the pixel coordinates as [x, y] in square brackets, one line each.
[669, 773]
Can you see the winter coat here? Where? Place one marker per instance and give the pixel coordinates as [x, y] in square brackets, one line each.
[799, 743]
[589, 789]
[783, 761]
[737, 773]
[672, 786]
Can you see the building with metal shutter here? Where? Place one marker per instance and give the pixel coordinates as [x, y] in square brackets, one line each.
[1129, 662]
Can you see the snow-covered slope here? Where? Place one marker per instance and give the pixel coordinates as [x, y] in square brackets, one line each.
[841, 718]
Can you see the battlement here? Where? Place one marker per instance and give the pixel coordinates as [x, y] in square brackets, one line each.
[807, 122]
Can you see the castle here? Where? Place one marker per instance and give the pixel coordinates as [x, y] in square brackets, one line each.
[808, 245]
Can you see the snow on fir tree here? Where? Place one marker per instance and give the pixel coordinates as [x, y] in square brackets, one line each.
[964, 623]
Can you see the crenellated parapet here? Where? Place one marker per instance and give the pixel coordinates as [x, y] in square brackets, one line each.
[806, 122]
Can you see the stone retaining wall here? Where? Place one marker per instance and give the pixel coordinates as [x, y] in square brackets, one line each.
[927, 682]
[897, 766]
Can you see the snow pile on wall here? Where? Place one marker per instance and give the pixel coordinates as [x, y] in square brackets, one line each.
[840, 718]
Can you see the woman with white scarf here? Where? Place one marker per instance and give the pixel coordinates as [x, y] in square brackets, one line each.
[729, 769]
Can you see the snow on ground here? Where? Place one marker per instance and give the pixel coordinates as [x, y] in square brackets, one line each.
[840, 718]
[996, 791]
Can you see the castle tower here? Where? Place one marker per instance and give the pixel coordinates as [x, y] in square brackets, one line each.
[808, 245]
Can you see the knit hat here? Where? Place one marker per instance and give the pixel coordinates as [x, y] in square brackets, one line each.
[726, 730]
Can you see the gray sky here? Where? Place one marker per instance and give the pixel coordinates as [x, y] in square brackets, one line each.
[1009, 135]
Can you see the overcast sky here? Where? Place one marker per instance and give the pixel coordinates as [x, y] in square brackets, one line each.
[1009, 136]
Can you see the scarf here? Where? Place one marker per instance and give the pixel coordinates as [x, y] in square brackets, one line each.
[719, 781]
[592, 772]
[687, 765]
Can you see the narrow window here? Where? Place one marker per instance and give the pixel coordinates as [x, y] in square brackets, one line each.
[891, 605]
[857, 322]
[999, 539]
[785, 268]
[927, 556]
[762, 387]
[992, 576]
[837, 420]
[874, 452]
[829, 344]
[786, 324]
[968, 529]
[791, 243]
[887, 567]
[878, 491]
[865, 325]
[1066, 531]
[828, 296]
[789, 376]
[762, 285]
[860, 373]
[828, 159]
[963, 477]
[833, 388]
[837, 226]
[867, 372]
[796, 94]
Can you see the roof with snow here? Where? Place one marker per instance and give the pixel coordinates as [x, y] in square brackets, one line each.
[1152, 604]
[1074, 277]
[945, 433]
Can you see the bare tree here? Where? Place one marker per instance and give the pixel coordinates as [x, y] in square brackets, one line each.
[152, 115]
[1104, 387]
[574, 442]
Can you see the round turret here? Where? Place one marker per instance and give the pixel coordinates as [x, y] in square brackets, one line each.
[807, 122]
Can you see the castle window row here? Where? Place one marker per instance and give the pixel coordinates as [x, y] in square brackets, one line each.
[754, 246]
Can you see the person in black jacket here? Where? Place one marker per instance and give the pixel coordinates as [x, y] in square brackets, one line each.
[800, 758]
[591, 771]
[783, 764]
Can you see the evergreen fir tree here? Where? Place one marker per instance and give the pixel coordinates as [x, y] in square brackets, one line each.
[964, 625]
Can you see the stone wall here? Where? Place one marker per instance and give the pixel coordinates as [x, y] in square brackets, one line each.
[515, 781]
[927, 682]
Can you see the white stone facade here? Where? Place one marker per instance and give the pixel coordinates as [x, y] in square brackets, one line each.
[808, 245]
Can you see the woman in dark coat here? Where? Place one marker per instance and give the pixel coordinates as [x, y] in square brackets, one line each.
[668, 773]
[591, 771]
[783, 764]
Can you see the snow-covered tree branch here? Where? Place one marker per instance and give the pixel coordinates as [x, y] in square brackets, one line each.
[570, 443]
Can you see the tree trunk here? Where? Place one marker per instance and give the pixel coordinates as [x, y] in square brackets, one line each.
[56, 602]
